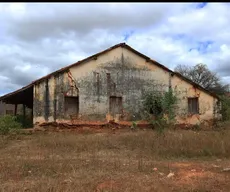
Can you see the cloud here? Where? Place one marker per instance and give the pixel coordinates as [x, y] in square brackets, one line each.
[42, 20]
[39, 38]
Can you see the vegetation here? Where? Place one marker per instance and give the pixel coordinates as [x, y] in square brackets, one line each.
[134, 125]
[201, 75]
[131, 161]
[9, 124]
[27, 122]
[225, 108]
[160, 108]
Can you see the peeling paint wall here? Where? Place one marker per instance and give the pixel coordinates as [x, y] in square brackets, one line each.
[49, 98]
[117, 73]
[206, 102]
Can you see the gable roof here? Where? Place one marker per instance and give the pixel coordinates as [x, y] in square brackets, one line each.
[103, 52]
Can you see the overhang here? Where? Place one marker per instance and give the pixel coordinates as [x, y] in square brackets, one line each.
[21, 96]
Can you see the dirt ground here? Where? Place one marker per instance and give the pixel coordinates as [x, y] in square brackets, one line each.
[110, 160]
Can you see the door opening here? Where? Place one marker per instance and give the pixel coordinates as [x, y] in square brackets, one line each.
[71, 106]
[115, 106]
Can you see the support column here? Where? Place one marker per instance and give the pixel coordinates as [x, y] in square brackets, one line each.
[4, 111]
[24, 116]
[15, 109]
[32, 117]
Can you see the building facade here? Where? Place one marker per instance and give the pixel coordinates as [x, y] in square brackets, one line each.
[110, 86]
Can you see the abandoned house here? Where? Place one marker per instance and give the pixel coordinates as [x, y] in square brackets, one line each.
[109, 86]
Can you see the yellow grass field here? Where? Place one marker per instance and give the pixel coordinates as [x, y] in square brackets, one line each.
[122, 161]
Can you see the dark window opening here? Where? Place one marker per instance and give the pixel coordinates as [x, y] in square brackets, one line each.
[193, 105]
[71, 106]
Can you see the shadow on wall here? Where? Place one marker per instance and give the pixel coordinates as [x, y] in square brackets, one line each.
[6, 109]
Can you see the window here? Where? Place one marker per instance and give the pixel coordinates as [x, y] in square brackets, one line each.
[193, 105]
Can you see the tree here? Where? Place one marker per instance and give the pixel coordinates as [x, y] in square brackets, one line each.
[201, 75]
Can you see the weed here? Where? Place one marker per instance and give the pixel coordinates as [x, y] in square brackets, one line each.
[9, 124]
[134, 125]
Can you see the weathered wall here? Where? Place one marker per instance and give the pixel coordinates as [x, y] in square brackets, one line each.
[4, 107]
[118, 72]
[207, 103]
[49, 97]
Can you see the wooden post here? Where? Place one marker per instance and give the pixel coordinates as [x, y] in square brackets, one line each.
[32, 117]
[4, 108]
[15, 109]
[24, 115]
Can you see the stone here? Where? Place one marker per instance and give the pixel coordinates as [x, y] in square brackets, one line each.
[226, 169]
[170, 175]
[154, 169]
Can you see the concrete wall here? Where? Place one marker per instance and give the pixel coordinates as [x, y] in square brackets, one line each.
[4, 107]
[118, 72]
[207, 103]
[11, 109]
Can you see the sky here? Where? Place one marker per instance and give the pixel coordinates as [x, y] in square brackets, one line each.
[39, 38]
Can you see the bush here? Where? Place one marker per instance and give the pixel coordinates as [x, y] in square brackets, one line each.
[9, 124]
[161, 106]
[27, 122]
[225, 108]
[134, 125]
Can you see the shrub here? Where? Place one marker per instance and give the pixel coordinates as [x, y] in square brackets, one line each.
[161, 106]
[8, 124]
[27, 122]
[134, 125]
[225, 108]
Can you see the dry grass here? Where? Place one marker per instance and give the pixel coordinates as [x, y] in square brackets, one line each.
[116, 162]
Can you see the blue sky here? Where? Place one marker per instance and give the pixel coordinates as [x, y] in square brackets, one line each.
[34, 44]
[201, 5]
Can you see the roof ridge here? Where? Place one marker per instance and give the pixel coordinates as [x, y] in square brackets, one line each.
[122, 44]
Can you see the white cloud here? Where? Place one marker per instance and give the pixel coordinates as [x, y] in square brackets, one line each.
[39, 38]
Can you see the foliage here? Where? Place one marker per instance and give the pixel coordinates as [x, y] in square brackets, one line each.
[160, 123]
[9, 124]
[161, 106]
[134, 125]
[196, 127]
[201, 75]
[27, 122]
[168, 104]
[152, 103]
[225, 108]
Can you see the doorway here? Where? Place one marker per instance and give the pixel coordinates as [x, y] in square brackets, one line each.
[71, 106]
[115, 106]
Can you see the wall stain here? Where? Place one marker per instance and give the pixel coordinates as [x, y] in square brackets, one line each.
[120, 77]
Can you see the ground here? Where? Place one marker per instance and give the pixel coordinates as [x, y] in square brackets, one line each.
[120, 160]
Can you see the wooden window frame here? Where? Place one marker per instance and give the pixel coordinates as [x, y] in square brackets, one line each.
[190, 109]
